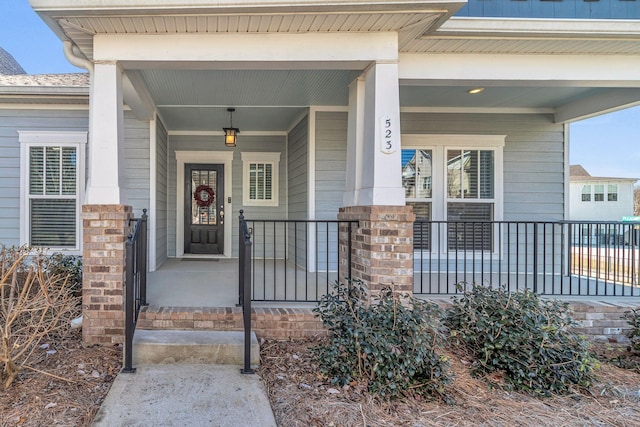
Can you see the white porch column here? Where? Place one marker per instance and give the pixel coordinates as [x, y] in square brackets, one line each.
[106, 130]
[355, 136]
[374, 170]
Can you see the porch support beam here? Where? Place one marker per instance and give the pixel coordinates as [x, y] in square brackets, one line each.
[374, 170]
[606, 102]
[520, 70]
[106, 136]
[137, 96]
[354, 50]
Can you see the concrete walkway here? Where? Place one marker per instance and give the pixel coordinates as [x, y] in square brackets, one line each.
[186, 395]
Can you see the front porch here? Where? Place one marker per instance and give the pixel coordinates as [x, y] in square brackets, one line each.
[211, 282]
[293, 263]
[591, 266]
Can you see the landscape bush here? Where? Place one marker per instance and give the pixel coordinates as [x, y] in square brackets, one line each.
[523, 338]
[388, 342]
[34, 303]
[63, 266]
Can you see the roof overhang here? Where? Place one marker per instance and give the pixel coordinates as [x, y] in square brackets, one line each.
[43, 95]
[570, 68]
[531, 36]
[590, 179]
[79, 20]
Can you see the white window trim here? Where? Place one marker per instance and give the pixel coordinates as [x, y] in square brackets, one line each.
[264, 158]
[439, 144]
[29, 139]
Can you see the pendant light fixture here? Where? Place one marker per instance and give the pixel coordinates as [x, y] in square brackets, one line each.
[231, 133]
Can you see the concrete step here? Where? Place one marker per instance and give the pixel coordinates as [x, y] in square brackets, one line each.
[192, 347]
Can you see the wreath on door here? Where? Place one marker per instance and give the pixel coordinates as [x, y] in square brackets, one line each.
[203, 196]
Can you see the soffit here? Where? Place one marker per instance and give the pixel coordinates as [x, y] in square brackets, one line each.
[79, 22]
[530, 36]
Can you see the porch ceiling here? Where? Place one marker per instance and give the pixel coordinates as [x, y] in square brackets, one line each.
[265, 100]
[271, 100]
[493, 96]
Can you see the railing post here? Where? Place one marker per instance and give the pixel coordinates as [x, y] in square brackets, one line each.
[349, 251]
[128, 309]
[246, 303]
[241, 260]
[569, 248]
[142, 266]
[535, 257]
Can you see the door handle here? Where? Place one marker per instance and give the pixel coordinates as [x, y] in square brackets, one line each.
[221, 214]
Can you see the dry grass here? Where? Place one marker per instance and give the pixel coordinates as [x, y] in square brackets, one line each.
[300, 396]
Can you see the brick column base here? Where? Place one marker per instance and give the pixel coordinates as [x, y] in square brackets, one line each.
[381, 247]
[105, 229]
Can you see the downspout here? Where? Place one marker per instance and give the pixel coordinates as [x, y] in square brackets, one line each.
[71, 53]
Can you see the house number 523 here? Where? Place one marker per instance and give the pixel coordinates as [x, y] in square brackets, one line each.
[388, 135]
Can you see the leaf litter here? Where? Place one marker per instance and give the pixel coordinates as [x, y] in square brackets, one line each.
[55, 391]
[303, 397]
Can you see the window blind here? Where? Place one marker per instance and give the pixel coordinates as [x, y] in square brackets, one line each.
[53, 175]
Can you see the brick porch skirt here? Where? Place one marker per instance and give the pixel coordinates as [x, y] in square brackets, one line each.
[598, 320]
[274, 323]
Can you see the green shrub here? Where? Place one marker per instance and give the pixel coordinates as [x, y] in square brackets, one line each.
[633, 319]
[388, 344]
[66, 267]
[524, 338]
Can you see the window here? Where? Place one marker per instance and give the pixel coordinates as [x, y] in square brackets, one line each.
[417, 167]
[260, 179]
[612, 192]
[52, 180]
[460, 181]
[598, 193]
[470, 187]
[586, 193]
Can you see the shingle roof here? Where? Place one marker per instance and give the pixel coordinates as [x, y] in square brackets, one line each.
[578, 173]
[578, 170]
[8, 64]
[64, 80]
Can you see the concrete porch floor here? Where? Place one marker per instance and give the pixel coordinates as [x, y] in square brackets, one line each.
[194, 282]
[207, 282]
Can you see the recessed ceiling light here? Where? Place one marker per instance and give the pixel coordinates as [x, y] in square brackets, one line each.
[475, 90]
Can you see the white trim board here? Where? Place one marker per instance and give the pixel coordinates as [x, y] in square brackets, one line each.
[273, 158]
[220, 157]
[77, 139]
[152, 193]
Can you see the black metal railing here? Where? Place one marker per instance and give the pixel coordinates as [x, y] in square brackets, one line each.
[135, 285]
[297, 260]
[550, 258]
[244, 275]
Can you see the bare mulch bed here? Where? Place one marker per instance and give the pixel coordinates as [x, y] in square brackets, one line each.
[64, 387]
[301, 396]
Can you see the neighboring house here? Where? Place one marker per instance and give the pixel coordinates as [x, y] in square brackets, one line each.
[599, 198]
[338, 103]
